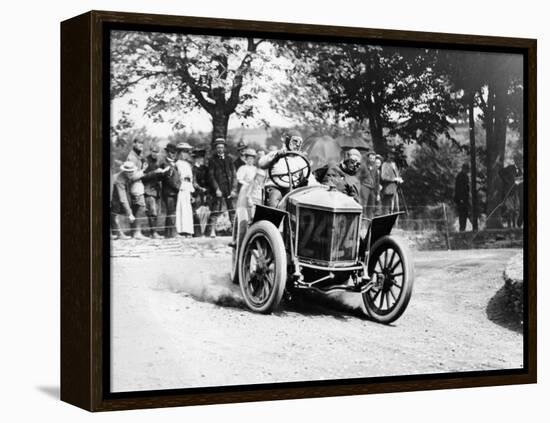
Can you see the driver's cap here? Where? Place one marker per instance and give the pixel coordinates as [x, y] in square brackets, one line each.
[292, 135]
[353, 154]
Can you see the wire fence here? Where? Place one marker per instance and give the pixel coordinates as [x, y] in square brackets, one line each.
[429, 227]
[439, 218]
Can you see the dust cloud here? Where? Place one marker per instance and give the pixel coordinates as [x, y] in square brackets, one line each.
[203, 287]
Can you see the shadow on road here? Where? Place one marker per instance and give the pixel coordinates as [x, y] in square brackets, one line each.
[314, 304]
[219, 290]
[499, 311]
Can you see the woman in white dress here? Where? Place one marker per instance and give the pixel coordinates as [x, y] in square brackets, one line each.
[247, 172]
[184, 211]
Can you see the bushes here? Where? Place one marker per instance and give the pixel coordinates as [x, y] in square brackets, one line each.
[513, 284]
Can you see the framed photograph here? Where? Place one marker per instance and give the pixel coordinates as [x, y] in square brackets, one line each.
[257, 211]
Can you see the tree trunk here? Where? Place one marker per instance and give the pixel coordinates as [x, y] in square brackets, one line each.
[495, 157]
[376, 127]
[378, 140]
[473, 163]
[220, 120]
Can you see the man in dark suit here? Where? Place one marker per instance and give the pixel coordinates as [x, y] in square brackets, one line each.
[390, 181]
[170, 189]
[462, 196]
[223, 184]
[511, 177]
[370, 182]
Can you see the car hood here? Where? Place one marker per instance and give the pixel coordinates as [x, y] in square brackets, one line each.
[323, 198]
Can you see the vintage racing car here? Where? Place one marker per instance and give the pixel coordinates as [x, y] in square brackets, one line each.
[317, 239]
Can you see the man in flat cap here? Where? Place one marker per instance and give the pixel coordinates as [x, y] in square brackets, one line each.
[121, 202]
[223, 184]
[342, 175]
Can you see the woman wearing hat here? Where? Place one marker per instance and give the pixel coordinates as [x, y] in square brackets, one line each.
[184, 211]
[246, 173]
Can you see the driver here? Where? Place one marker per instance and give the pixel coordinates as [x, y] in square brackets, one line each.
[292, 142]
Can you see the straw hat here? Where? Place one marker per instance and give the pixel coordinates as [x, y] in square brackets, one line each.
[183, 146]
[128, 167]
[250, 152]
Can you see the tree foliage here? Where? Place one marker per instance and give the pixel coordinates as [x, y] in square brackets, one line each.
[183, 72]
[396, 91]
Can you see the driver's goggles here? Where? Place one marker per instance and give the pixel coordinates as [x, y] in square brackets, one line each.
[352, 163]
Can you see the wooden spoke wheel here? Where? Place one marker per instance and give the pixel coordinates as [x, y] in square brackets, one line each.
[262, 267]
[391, 268]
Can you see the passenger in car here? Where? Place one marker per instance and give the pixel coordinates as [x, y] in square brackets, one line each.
[342, 175]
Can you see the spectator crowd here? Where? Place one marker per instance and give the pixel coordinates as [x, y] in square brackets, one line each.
[193, 192]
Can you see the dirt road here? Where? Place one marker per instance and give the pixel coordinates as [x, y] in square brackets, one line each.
[178, 322]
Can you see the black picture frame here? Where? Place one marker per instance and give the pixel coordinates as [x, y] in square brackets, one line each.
[85, 219]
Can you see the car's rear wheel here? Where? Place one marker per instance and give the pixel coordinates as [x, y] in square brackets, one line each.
[262, 267]
[390, 266]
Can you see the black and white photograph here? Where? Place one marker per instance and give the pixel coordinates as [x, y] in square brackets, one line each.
[301, 210]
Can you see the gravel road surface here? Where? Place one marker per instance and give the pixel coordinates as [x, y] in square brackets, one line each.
[178, 322]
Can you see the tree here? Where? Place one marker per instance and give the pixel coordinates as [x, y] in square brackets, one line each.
[491, 83]
[121, 144]
[430, 175]
[467, 73]
[505, 74]
[182, 72]
[396, 91]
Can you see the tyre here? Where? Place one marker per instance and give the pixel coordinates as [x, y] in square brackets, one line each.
[240, 224]
[262, 267]
[390, 265]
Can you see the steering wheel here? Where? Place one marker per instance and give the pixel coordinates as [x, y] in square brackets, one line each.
[290, 170]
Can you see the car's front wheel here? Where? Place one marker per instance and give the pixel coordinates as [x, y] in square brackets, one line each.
[390, 267]
[262, 267]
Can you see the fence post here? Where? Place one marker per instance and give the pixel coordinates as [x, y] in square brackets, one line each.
[446, 226]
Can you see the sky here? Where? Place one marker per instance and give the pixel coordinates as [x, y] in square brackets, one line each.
[195, 120]
[198, 119]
